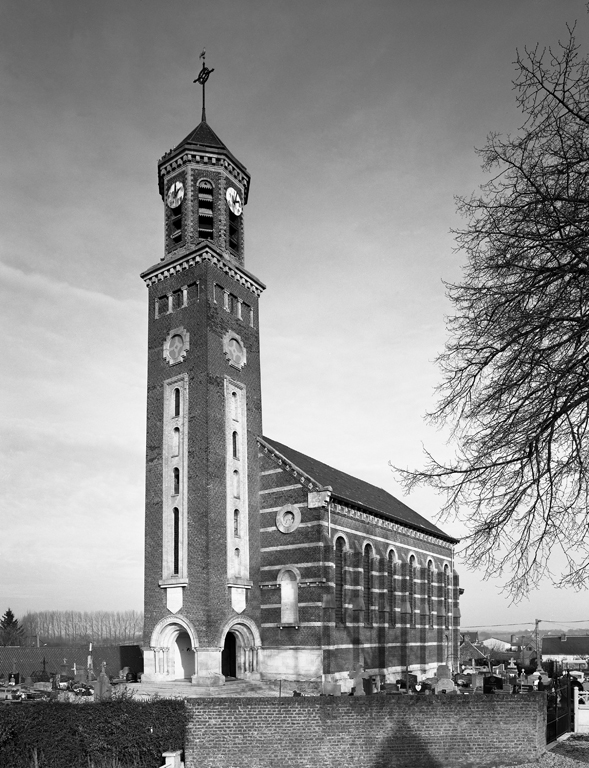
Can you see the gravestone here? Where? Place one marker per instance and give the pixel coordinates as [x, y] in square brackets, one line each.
[358, 675]
[492, 683]
[445, 685]
[102, 687]
[443, 672]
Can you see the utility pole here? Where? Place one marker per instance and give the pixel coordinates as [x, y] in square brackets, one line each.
[538, 653]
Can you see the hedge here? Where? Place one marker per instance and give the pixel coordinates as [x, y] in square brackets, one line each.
[125, 734]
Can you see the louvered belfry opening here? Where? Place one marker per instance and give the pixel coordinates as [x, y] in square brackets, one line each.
[206, 219]
[233, 232]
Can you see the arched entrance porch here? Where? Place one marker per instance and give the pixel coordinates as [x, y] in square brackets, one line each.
[240, 643]
[172, 651]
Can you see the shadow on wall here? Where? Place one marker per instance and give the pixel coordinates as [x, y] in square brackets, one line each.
[405, 749]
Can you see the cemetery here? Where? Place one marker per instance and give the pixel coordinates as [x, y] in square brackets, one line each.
[442, 720]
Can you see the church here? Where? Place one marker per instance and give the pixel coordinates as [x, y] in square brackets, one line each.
[261, 562]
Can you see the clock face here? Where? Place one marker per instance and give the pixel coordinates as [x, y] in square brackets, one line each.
[175, 194]
[234, 201]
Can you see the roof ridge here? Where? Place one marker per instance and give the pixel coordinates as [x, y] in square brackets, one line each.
[356, 491]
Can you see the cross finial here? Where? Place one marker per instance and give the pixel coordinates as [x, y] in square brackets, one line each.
[202, 78]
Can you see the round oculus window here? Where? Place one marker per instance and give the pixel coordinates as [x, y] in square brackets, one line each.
[288, 518]
[234, 350]
[176, 346]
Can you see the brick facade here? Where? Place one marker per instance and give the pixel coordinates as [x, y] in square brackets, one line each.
[390, 634]
[241, 540]
[408, 731]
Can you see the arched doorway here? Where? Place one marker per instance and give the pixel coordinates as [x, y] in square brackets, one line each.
[183, 657]
[171, 655]
[240, 643]
[228, 656]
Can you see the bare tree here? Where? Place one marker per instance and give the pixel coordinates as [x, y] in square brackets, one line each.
[515, 388]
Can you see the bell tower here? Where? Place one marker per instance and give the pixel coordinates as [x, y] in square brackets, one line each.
[202, 602]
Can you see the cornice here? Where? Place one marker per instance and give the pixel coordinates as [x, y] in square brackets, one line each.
[302, 477]
[376, 519]
[165, 269]
[212, 158]
[359, 512]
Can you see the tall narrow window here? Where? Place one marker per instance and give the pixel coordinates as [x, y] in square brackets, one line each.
[234, 440]
[176, 441]
[289, 600]
[233, 231]
[367, 572]
[391, 587]
[236, 522]
[411, 588]
[237, 562]
[205, 210]
[176, 513]
[176, 481]
[236, 488]
[176, 402]
[339, 580]
[429, 591]
[446, 589]
[175, 197]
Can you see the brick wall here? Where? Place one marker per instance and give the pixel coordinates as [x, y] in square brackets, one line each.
[370, 732]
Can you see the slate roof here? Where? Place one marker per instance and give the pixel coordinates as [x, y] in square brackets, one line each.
[204, 136]
[358, 492]
[574, 645]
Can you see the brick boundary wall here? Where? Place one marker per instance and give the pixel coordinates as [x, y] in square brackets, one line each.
[371, 732]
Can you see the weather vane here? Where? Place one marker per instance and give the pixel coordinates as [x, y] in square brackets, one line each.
[203, 76]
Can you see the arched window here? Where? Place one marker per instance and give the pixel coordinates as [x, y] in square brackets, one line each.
[391, 587]
[236, 522]
[289, 599]
[176, 481]
[446, 590]
[429, 592]
[339, 580]
[367, 573]
[206, 219]
[176, 514]
[176, 402]
[234, 406]
[234, 225]
[411, 588]
[176, 441]
[234, 440]
[236, 488]
[237, 562]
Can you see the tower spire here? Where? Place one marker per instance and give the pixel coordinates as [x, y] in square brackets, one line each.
[202, 78]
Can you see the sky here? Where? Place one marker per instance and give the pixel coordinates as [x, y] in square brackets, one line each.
[357, 122]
